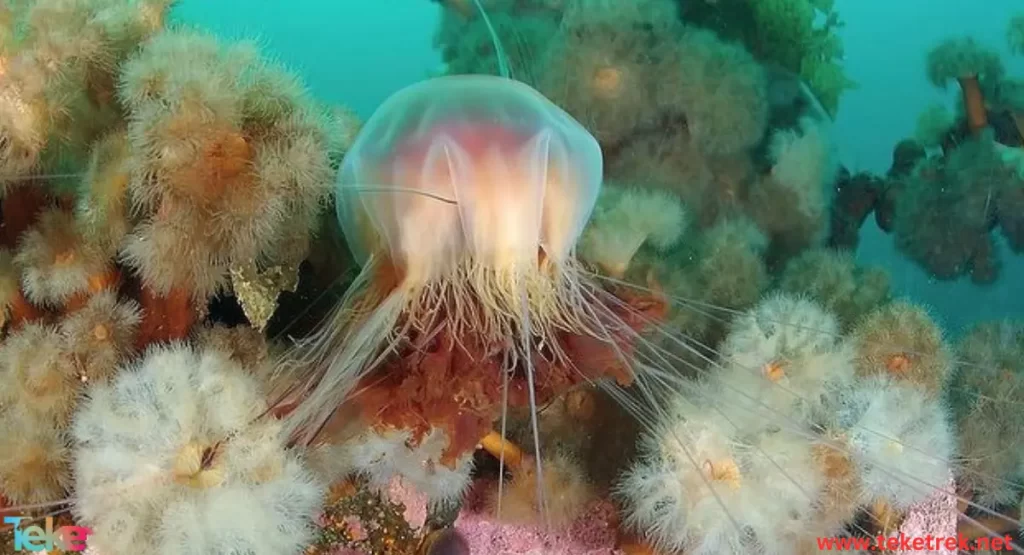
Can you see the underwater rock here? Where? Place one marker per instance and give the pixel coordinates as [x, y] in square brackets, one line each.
[360, 520]
[258, 289]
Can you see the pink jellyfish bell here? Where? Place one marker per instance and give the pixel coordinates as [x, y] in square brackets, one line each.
[474, 173]
[463, 199]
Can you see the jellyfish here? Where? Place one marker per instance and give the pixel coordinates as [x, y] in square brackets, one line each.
[463, 200]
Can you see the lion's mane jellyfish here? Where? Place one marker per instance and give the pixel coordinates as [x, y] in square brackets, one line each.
[463, 199]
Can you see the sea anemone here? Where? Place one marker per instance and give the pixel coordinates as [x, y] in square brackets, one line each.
[102, 208]
[729, 263]
[834, 280]
[468, 48]
[966, 61]
[1010, 201]
[380, 457]
[100, 335]
[57, 86]
[598, 66]
[902, 341]
[259, 170]
[566, 493]
[39, 392]
[243, 344]
[783, 360]
[34, 459]
[804, 169]
[944, 212]
[670, 160]
[842, 493]
[626, 219]
[719, 87]
[175, 448]
[901, 440]
[36, 374]
[988, 379]
[10, 282]
[57, 261]
[701, 486]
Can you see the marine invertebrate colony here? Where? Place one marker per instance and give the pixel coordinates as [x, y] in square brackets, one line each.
[783, 421]
[108, 123]
[59, 70]
[943, 213]
[230, 146]
[899, 438]
[799, 36]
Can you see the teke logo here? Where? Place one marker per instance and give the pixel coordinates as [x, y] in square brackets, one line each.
[34, 538]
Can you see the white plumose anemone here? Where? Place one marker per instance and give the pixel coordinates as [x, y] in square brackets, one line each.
[901, 440]
[175, 457]
[710, 496]
[784, 363]
[380, 456]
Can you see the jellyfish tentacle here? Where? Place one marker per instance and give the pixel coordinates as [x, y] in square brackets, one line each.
[527, 337]
[503, 66]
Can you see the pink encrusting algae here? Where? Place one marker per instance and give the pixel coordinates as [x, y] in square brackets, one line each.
[934, 517]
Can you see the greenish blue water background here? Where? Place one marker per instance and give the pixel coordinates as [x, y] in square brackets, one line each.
[359, 52]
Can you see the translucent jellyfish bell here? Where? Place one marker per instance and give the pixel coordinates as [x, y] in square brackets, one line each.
[468, 168]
